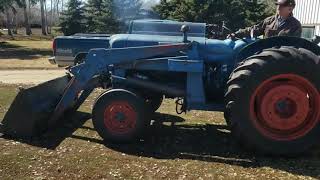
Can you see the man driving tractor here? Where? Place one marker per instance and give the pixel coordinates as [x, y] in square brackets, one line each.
[281, 24]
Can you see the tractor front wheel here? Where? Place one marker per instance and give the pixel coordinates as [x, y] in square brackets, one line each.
[120, 116]
[272, 101]
[154, 102]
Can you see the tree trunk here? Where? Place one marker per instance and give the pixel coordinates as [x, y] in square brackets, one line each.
[8, 23]
[54, 10]
[26, 18]
[46, 13]
[43, 18]
[29, 1]
[62, 5]
[51, 17]
[57, 6]
[14, 21]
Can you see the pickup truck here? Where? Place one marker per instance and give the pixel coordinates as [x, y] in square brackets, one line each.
[70, 50]
[66, 48]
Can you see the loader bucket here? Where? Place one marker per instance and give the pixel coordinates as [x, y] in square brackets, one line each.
[30, 112]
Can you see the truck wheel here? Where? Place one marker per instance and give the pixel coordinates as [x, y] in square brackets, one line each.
[154, 103]
[120, 116]
[80, 58]
[78, 61]
[272, 101]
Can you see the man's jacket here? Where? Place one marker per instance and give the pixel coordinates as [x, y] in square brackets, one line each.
[273, 26]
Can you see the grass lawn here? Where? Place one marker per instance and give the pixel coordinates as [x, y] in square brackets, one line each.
[25, 54]
[197, 147]
[36, 34]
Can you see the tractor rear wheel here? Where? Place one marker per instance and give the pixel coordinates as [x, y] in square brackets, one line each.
[272, 101]
[120, 116]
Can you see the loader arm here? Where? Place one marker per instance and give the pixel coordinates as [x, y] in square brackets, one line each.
[38, 109]
[100, 61]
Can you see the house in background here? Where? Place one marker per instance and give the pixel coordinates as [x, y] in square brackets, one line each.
[308, 13]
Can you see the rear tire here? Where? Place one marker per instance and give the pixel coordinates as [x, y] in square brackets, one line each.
[120, 116]
[272, 101]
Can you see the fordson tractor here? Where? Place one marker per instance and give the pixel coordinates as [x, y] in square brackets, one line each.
[268, 89]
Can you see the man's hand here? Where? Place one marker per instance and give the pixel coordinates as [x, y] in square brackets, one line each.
[231, 36]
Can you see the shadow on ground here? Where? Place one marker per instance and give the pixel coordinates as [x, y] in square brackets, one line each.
[205, 142]
[52, 139]
[11, 51]
[209, 143]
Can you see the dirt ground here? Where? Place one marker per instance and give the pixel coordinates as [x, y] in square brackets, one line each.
[29, 76]
[199, 146]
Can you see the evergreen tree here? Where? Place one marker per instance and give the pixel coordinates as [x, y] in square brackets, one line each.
[234, 13]
[256, 11]
[72, 20]
[100, 17]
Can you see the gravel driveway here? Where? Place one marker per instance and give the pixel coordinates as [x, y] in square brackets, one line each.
[29, 76]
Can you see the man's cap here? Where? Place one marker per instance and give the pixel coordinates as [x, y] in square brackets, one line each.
[286, 2]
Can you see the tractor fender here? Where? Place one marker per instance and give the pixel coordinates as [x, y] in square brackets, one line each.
[277, 41]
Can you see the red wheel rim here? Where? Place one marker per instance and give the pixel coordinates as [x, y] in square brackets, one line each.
[120, 117]
[285, 107]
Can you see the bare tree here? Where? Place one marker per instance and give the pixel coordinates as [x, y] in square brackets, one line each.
[14, 20]
[5, 7]
[46, 13]
[51, 16]
[57, 7]
[43, 18]
[26, 16]
[62, 4]
[9, 27]
[29, 5]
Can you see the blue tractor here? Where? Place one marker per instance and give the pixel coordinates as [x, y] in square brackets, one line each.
[267, 88]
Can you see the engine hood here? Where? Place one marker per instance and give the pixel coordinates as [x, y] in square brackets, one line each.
[209, 49]
[137, 40]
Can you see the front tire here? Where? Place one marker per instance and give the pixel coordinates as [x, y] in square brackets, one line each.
[272, 101]
[120, 116]
[154, 102]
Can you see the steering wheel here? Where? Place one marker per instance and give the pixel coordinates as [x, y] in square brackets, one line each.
[252, 36]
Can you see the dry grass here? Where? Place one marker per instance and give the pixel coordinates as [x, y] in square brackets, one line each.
[25, 54]
[36, 35]
[197, 147]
